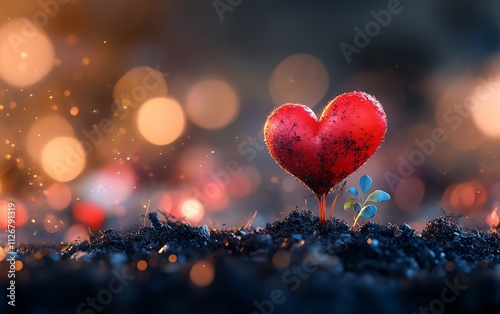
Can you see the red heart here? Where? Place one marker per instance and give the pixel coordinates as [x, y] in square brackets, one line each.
[322, 153]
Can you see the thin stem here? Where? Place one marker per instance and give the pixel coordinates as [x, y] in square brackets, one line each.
[355, 221]
[333, 207]
[320, 205]
[322, 208]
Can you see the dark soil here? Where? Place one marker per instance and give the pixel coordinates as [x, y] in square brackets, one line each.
[290, 266]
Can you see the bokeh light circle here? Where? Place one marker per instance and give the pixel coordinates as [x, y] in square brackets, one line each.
[63, 159]
[202, 273]
[464, 197]
[453, 118]
[26, 53]
[43, 131]
[10, 205]
[485, 109]
[110, 185]
[58, 195]
[192, 210]
[89, 214]
[77, 232]
[52, 224]
[161, 121]
[212, 104]
[299, 78]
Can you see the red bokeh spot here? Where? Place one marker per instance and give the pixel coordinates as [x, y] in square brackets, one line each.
[19, 214]
[89, 214]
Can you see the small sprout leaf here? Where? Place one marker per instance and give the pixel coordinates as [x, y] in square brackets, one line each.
[349, 203]
[378, 196]
[353, 191]
[369, 211]
[359, 202]
[365, 182]
[357, 207]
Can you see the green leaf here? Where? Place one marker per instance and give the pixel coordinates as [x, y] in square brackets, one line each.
[365, 182]
[353, 191]
[349, 203]
[378, 196]
[369, 211]
[357, 207]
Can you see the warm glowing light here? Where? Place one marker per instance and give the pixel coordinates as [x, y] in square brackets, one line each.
[485, 110]
[454, 119]
[300, 78]
[18, 265]
[212, 104]
[493, 220]
[44, 130]
[2, 253]
[193, 210]
[63, 159]
[172, 258]
[74, 111]
[6, 149]
[21, 214]
[89, 214]
[163, 249]
[142, 265]
[465, 196]
[52, 224]
[58, 195]
[111, 185]
[213, 189]
[138, 85]
[26, 53]
[202, 273]
[76, 232]
[161, 121]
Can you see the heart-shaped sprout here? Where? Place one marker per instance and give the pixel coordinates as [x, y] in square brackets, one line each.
[359, 203]
[322, 151]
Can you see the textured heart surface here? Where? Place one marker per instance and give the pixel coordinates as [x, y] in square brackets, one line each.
[321, 153]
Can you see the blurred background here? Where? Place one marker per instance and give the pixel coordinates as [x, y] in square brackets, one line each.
[108, 110]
